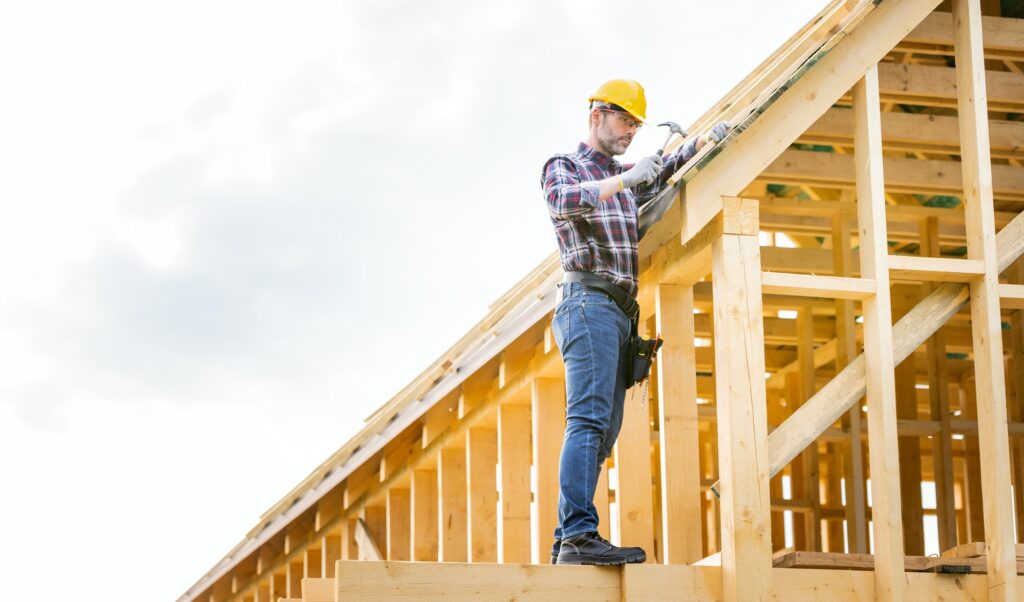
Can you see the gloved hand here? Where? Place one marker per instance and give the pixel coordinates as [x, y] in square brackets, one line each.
[719, 132]
[645, 171]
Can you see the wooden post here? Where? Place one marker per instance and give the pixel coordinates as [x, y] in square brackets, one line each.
[398, 508]
[635, 496]
[293, 585]
[482, 489]
[1017, 401]
[423, 516]
[678, 425]
[846, 350]
[548, 420]
[890, 581]
[976, 166]
[811, 474]
[974, 507]
[742, 414]
[451, 482]
[938, 396]
[514, 496]
[349, 545]
[331, 554]
[312, 563]
[910, 460]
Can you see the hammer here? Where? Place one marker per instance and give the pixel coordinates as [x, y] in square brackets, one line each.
[673, 128]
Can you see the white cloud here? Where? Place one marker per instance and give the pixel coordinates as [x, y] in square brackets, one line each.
[232, 230]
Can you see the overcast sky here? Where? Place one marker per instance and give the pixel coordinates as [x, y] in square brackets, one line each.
[231, 230]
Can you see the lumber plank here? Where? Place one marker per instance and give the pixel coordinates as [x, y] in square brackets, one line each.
[514, 494]
[451, 482]
[742, 418]
[548, 420]
[1002, 37]
[632, 453]
[455, 582]
[845, 346]
[331, 553]
[938, 134]
[836, 397]
[974, 549]
[678, 425]
[318, 590]
[1011, 296]
[975, 97]
[804, 285]
[370, 528]
[482, 489]
[423, 517]
[866, 562]
[938, 397]
[887, 523]
[934, 269]
[911, 176]
[399, 545]
[937, 86]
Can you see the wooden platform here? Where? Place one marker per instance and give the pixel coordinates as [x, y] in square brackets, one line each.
[455, 582]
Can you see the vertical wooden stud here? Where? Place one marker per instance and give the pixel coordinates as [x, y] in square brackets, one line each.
[398, 508]
[423, 516]
[976, 166]
[548, 426]
[890, 581]
[678, 426]
[514, 496]
[482, 492]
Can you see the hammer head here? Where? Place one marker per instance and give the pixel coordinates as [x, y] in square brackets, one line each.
[673, 128]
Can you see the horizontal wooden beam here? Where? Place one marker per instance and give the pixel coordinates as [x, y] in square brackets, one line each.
[456, 582]
[1003, 37]
[915, 132]
[1011, 296]
[804, 285]
[911, 176]
[934, 269]
[936, 86]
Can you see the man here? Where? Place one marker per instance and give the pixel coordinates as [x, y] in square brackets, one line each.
[592, 203]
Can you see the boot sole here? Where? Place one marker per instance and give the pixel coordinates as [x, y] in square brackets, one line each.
[600, 560]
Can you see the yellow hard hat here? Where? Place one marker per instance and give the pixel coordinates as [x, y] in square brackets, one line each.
[626, 93]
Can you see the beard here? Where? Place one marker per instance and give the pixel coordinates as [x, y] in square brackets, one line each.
[611, 144]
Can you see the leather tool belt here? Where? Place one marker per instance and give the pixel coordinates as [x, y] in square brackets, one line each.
[641, 351]
[624, 300]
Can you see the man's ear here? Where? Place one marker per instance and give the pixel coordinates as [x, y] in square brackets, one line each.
[595, 118]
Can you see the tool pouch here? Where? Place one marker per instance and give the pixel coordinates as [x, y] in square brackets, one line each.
[641, 354]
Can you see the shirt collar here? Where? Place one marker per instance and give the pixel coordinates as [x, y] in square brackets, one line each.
[606, 162]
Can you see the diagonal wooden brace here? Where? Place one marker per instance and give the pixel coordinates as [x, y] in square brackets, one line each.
[835, 398]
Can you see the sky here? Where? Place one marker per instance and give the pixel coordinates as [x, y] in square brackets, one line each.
[232, 230]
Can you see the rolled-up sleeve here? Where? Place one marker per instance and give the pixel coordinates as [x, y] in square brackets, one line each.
[568, 198]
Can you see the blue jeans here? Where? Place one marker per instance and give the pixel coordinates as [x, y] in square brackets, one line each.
[591, 332]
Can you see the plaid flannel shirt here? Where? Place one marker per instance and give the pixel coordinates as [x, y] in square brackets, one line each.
[598, 236]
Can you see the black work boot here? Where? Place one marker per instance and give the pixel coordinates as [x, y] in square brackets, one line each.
[555, 550]
[591, 548]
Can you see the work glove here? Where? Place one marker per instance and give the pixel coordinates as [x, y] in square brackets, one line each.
[719, 132]
[644, 172]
